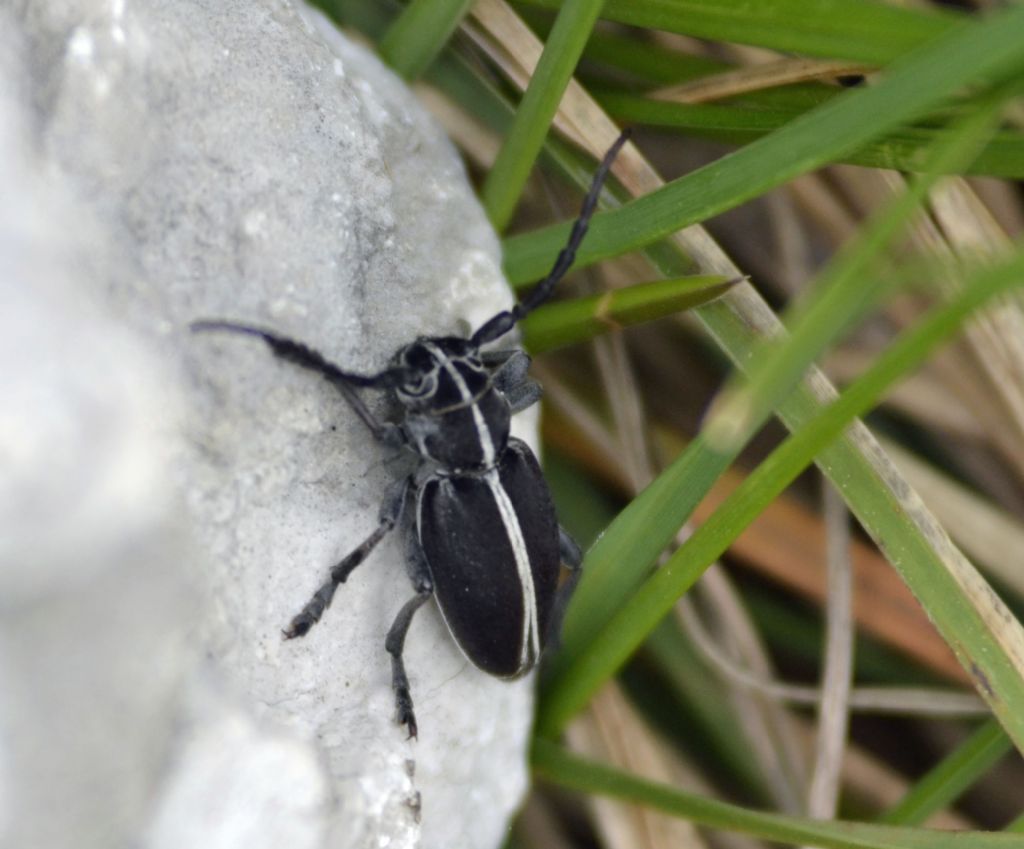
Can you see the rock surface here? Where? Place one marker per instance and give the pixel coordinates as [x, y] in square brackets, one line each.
[167, 500]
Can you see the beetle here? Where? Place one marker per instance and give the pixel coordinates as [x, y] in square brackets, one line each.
[487, 543]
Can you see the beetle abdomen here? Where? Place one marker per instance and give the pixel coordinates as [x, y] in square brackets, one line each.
[491, 541]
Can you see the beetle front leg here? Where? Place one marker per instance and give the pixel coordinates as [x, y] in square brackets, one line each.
[512, 380]
[523, 395]
[390, 513]
[509, 367]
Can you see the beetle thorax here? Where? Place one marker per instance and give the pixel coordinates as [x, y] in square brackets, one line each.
[454, 415]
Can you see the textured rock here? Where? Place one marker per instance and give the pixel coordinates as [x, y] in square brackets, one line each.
[168, 501]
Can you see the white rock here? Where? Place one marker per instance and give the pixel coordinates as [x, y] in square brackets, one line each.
[168, 501]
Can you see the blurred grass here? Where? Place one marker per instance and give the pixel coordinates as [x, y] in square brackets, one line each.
[507, 176]
[865, 31]
[571, 771]
[602, 656]
[939, 70]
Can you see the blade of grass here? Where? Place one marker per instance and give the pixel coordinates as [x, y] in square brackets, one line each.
[568, 322]
[843, 293]
[874, 489]
[969, 636]
[990, 49]
[558, 766]
[627, 551]
[419, 34]
[865, 31]
[506, 179]
[948, 780]
[647, 61]
[710, 715]
[903, 149]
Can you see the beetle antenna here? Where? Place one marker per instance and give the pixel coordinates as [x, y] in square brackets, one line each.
[302, 355]
[503, 322]
[542, 291]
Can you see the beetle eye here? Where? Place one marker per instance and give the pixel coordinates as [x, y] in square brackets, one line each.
[421, 384]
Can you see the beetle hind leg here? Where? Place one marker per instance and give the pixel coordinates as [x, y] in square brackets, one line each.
[419, 574]
[572, 559]
[395, 643]
[569, 550]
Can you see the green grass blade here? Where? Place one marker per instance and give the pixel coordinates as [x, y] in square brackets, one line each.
[705, 706]
[865, 31]
[903, 149]
[945, 783]
[419, 34]
[505, 181]
[914, 556]
[990, 49]
[646, 61]
[569, 322]
[842, 295]
[560, 767]
[623, 556]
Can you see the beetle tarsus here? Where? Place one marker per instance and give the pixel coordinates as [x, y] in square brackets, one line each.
[299, 627]
[405, 715]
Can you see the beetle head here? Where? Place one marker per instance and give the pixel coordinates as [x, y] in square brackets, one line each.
[440, 373]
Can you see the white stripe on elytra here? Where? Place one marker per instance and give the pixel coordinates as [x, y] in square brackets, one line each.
[530, 638]
[482, 431]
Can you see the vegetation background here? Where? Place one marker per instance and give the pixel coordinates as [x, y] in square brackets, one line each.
[849, 669]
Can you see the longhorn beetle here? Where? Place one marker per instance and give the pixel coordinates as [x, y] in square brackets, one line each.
[487, 545]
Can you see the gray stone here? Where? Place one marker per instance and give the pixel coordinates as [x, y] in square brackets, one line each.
[167, 500]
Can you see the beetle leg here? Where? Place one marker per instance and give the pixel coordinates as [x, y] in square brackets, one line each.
[572, 557]
[511, 380]
[394, 644]
[523, 395]
[419, 574]
[496, 359]
[510, 369]
[390, 513]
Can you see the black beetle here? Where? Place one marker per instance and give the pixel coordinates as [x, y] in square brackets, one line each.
[487, 543]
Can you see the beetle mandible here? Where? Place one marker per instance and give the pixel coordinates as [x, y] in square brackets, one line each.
[487, 545]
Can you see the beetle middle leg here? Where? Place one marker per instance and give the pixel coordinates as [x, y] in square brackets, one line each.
[390, 513]
[395, 642]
